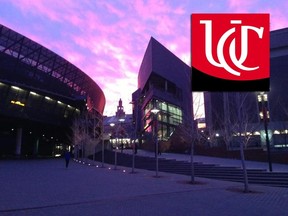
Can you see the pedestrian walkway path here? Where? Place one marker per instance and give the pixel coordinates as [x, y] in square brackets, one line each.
[46, 187]
[276, 167]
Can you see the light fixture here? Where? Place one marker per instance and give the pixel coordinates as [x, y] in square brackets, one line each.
[15, 87]
[33, 93]
[155, 110]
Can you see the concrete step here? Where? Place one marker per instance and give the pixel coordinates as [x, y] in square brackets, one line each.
[213, 171]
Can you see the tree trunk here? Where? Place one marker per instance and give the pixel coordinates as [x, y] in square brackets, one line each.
[245, 174]
[240, 122]
[192, 163]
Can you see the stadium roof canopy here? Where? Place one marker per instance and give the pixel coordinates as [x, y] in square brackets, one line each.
[42, 59]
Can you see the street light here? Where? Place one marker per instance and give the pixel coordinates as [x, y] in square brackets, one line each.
[115, 155]
[134, 149]
[264, 116]
[102, 142]
[120, 120]
[155, 112]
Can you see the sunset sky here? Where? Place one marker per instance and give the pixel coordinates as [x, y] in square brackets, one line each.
[107, 39]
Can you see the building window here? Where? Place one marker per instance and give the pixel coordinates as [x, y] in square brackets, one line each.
[168, 118]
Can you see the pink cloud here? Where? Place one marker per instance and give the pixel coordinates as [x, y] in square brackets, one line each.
[42, 8]
[112, 9]
[107, 39]
[278, 19]
[238, 6]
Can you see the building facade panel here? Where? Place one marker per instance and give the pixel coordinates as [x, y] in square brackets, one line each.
[164, 83]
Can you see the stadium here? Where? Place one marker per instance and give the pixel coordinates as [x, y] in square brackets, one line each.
[41, 94]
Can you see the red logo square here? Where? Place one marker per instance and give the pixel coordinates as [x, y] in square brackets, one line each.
[230, 52]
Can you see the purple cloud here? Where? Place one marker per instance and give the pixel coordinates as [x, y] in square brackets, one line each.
[107, 39]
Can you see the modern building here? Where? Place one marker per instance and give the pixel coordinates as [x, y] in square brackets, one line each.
[40, 95]
[164, 85]
[222, 108]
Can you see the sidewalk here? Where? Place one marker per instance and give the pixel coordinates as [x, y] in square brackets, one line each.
[46, 187]
[214, 160]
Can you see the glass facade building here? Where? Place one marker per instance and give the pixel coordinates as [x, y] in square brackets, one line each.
[164, 83]
[168, 118]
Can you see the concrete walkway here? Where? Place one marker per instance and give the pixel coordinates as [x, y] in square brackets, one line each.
[46, 187]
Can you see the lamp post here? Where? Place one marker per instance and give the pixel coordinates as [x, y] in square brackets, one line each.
[133, 158]
[264, 115]
[102, 142]
[155, 112]
[134, 144]
[119, 123]
[115, 151]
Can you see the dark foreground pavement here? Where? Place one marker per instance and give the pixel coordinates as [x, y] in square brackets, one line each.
[46, 187]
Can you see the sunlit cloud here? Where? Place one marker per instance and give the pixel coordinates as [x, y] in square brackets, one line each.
[107, 39]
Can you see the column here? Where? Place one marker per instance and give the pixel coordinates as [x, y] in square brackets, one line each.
[18, 142]
[36, 146]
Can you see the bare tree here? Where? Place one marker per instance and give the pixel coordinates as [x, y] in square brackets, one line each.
[188, 134]
[241, 123]
[238, 126]
[282, 112]
[86, 131]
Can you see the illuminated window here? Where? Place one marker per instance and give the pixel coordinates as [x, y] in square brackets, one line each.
[168, 118]
[17, 103]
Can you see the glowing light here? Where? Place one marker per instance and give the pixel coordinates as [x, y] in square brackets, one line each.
[17, 103]
[59, 102]
[47, 98]
[155, 110]
[201, 125]
[33, 93]
[16, 88]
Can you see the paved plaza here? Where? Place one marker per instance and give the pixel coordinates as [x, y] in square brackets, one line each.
[46, 187]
